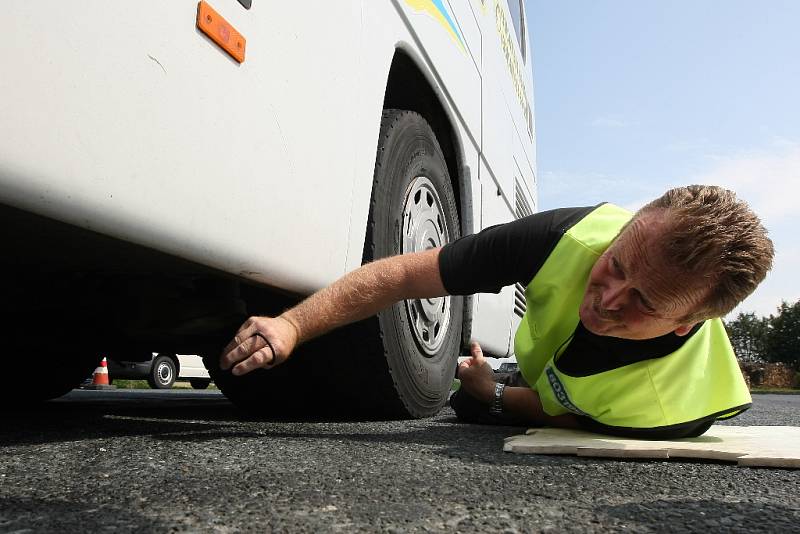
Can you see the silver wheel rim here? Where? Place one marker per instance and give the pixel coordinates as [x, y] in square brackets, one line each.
[164, 373]
[424, 228]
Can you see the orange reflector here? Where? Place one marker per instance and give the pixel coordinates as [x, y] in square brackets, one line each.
[222, 33]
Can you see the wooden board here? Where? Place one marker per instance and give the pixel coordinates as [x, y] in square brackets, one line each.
[753, 446]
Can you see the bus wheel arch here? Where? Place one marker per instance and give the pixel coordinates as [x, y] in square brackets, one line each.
[408, 88]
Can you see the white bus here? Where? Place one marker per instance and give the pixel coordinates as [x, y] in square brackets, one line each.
[168, 168]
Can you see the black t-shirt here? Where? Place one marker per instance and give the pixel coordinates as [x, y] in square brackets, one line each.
[513, 253]
[505, 254]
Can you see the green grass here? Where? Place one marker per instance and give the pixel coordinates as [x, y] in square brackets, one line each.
[142, 384]
[131, 384]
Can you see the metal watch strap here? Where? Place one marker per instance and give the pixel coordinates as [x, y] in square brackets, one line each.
[496, 408]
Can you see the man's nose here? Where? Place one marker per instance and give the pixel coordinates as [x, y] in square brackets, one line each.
[614, 296]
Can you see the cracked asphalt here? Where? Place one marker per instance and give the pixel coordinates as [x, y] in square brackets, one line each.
[188, 461]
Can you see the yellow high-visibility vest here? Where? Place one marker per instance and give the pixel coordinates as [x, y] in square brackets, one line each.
[699, 381]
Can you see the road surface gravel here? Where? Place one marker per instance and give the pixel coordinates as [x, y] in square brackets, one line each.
[188, 461]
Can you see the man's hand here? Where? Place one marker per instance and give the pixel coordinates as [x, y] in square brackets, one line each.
[476, 375]
[260, 342]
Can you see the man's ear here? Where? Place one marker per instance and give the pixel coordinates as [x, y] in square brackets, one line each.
[684, 329]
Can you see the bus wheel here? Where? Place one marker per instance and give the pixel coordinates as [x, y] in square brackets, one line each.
[413, 209]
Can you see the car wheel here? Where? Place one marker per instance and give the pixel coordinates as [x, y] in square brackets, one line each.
[199, 383]
[401, 362]
[162, 373]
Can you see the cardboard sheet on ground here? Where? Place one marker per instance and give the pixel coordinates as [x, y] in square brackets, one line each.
[753, 446]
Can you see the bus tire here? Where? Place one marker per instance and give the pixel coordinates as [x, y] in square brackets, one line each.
[412, 209]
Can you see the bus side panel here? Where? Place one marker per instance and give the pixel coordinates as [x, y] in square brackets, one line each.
[143, 129]
[507, 155]
[508, 78]
[491, 321]
[381, 27]
[505, 95]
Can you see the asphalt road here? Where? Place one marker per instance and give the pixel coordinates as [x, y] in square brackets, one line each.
[187, 461]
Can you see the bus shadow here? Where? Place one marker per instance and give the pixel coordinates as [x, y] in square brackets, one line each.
[208, 418]
[205, 419]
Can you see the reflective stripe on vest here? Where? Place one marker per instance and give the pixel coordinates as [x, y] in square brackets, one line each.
[700, 380]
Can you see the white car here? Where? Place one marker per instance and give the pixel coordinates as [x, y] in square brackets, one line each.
[162, 370]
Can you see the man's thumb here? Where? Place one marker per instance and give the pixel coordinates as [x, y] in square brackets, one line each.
[477, 352]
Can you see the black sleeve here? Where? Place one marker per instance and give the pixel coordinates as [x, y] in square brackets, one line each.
[504, 254]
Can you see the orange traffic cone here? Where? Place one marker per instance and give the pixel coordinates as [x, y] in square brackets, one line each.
[100, 378]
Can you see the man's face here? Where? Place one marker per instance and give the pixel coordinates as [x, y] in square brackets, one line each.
[633, 293]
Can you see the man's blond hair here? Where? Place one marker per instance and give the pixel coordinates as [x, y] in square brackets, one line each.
[717, 241]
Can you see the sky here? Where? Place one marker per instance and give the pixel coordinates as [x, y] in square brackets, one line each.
[633, 98]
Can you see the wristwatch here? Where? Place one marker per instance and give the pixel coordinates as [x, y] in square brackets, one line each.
[496, 408]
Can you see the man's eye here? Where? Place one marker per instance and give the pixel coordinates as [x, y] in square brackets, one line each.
[646, 307]
[615, 266]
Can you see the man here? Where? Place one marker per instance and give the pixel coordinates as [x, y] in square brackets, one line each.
[622, 332]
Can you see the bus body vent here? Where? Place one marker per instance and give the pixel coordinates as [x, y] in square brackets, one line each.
[523, 210]
[523, 207]
[519, 300]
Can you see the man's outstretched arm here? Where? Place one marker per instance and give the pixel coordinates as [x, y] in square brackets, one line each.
[268, 341]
